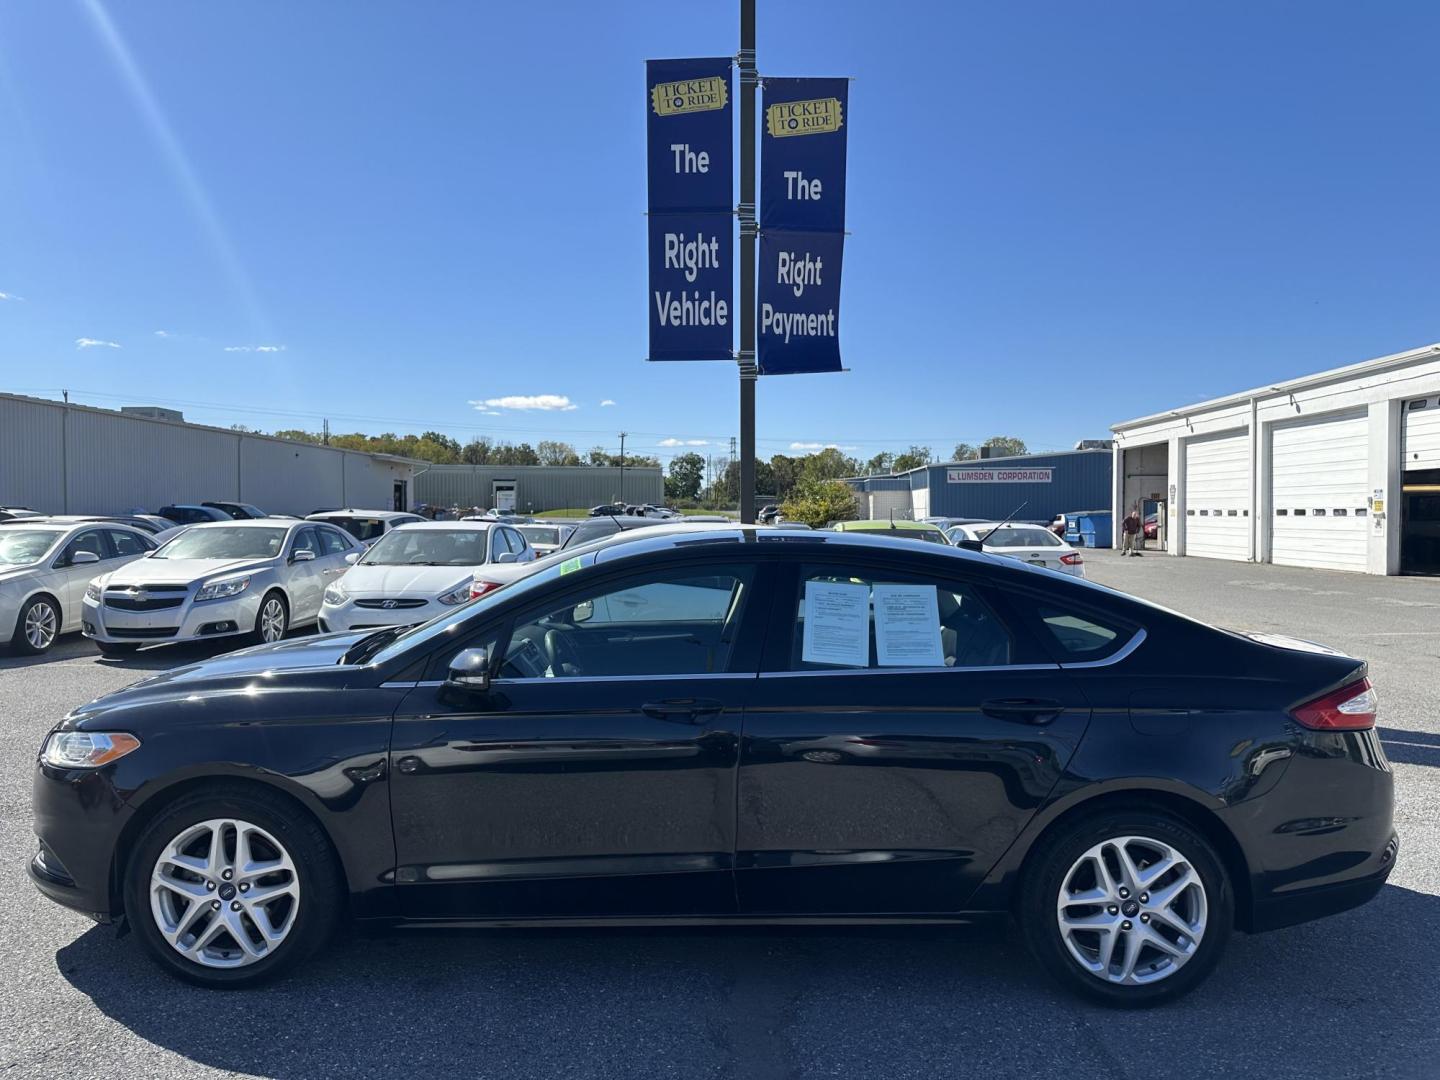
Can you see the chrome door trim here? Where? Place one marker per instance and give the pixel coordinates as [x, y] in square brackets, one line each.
[907, 670]
[1114, 658]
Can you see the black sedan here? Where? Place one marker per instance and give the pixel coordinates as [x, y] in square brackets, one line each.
[735, 726]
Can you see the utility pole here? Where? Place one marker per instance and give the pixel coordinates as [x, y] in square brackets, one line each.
[325, 432]
[622, 464]
[749, 77]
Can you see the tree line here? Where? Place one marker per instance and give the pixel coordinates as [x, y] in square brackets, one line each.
[440, 449]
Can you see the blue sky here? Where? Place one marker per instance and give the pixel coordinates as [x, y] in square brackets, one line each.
[1062, 214]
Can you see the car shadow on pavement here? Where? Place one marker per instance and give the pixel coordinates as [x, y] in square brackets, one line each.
[1411, 747]
[1347, 996]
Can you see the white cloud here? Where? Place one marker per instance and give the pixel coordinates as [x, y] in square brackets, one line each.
[489, 412]
[254, 348]
[527, 402]
[12, 296]
[607, 401]
[90, 343]
[683, 442]
[820, 446]
[163, 333]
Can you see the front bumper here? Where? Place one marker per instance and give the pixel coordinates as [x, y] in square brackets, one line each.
[351, 615]
[78, 820]
[189, 621]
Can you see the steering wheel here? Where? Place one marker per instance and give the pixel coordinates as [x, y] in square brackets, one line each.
[563, 656]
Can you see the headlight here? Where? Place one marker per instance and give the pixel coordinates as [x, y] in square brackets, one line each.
[92, 591]
[458, 595]
[334, 594]
[86, 749]
[218, 590]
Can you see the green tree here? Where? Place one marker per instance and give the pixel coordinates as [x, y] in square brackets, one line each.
[818, 502]
[296, 435]
[477, 451]
[882, 462]
[964, 451]
[785, 472]
[1001, 445]
[557, 453]
[828, 464]
[686, 473]
[445, 442]
[912, 459]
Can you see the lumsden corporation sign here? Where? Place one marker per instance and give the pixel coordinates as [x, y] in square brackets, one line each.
[997, 476]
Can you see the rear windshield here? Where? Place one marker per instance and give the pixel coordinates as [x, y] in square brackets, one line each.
[1022, 536]
[541, 534]
[364, 529]
[591, 530]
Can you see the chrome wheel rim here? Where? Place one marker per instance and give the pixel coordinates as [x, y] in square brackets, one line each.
[1132, 910]
[272, 620]
[40, 625]
[224, 893]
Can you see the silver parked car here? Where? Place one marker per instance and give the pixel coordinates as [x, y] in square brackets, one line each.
[221, 579]
[44, 569]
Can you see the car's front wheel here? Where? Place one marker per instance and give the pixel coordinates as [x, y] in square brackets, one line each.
[231, 888]
[37, 627]
[273, 619]
[1127, 908]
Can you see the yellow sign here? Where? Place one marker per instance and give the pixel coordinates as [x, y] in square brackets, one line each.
[815, 117]
[689, 96]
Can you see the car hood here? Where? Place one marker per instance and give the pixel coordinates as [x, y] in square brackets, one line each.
[175, 571]
[396, 581]
[234, 671]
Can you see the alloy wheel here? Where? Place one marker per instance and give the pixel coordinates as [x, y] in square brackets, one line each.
[224, 893]
[1132, 910]
[272, 619]
[41, 623]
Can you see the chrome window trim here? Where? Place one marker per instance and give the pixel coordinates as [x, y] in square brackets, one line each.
[510, 681]
[907, 670]
[1119, 654]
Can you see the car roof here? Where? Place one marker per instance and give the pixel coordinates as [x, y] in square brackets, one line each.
[448, 526]
[248, 523]
[678, 535]
[349, 512]
[875, 524]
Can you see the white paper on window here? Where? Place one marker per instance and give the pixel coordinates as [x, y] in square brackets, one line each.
[907, 626]
[837, 624]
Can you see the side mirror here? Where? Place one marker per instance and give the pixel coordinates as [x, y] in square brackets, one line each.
[80, 558]
[470, 670]
[583, 611]
[302, 556]
[353, 557]
[505, 556]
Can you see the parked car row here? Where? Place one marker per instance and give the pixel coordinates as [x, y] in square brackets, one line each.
[714, 723]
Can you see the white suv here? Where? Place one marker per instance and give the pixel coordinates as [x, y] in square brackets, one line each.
[367, 526]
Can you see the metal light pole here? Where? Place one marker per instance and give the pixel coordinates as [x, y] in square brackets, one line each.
[749, 78]
[622, 464]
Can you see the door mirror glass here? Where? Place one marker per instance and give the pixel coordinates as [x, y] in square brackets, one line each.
[81, 557]
[353, 558]
[584, 611]
[470, 670]
[505, 556]
[302, 556]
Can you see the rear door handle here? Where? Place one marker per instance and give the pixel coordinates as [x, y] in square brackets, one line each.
[683, 710]
[1022, 710]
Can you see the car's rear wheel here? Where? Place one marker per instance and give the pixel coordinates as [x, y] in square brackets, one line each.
[37, 627]
[232, 888]
[1128, 908]
[272, 621]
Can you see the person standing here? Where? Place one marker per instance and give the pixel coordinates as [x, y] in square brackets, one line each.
[1130, 533]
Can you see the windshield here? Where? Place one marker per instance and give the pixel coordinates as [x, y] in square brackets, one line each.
[429, 547]
[20, 547]
[541, 534]
[934, 536]
[1021, 536]
[224, 543]
[363, 529]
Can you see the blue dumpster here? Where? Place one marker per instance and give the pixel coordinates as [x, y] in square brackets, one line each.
[1090, 528]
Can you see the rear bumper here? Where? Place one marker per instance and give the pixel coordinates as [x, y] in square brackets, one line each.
[1290, 909]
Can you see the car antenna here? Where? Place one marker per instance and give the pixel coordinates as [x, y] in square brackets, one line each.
[1010, 517]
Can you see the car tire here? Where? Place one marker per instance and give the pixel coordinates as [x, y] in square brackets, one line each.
[262, 634]
[116, 648]
[1177, 936]
[37, 627]
[299, 925]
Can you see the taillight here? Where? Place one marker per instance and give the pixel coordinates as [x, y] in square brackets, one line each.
[480, 588]
[1073, 558]
[1351, 708]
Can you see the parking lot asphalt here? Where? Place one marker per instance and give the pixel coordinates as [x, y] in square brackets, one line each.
[1357, 995]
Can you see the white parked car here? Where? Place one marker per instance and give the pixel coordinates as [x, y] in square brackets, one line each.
[1034, 544]
[546, 539]
[44, 569]
[367, 526]
[415, 572]
[221, 579]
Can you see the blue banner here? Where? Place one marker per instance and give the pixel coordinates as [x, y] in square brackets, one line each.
[798, 323]
[690, 135]
[802, 154]
[692, 268]
[690, 140]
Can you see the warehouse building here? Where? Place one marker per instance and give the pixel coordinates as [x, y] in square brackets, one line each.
[1031, 487]
[73, 459]
[1339, 470]
[533, 488]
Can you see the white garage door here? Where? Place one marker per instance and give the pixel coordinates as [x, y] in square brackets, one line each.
[920, 500]
[1318, 475]
[1217, 496]
[1422, 434]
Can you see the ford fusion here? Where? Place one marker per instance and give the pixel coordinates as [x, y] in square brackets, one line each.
[220, 579]
[415, 572]
[735, 726]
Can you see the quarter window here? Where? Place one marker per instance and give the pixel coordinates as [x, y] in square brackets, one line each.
[332, 541]
[848, 617]
[1080, 637]
[127, 543]
[673, 622]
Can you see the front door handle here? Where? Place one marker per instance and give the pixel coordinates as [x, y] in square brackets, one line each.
[683, 710]
[1022, 710]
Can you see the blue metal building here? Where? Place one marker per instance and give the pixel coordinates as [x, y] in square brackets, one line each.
[991, 488]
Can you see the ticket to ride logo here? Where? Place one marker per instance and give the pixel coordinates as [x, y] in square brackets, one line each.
[817, 116]
[689, 95]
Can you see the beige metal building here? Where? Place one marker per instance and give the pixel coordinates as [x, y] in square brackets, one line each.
[75, 459]
[532, 488]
